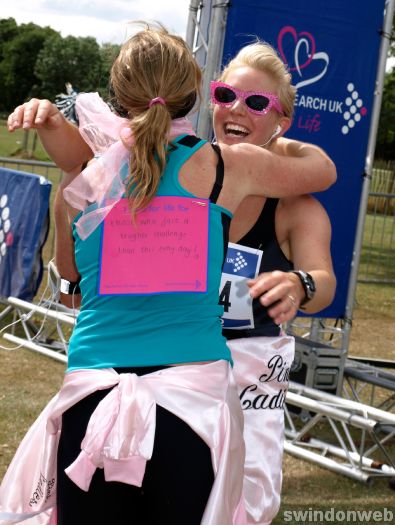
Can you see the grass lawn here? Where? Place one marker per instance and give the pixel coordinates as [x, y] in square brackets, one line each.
[11, 144]
[378, 249]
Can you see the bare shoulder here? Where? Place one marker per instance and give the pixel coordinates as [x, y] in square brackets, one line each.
[306, 205]
[286, 147]
[204, 156]
[302, 211]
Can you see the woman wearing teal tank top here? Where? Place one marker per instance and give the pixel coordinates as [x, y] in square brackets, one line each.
[147, 426]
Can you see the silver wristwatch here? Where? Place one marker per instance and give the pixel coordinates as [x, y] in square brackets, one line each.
[308, 285]
[69, 287]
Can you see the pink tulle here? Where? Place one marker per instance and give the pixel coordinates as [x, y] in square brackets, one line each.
[103, 180]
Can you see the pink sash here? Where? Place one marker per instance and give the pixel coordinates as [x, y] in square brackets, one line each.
[261, 369]
[204, 396]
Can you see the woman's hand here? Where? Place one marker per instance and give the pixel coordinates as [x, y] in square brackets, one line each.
[282, 290]
[55, 133]
[35, 114]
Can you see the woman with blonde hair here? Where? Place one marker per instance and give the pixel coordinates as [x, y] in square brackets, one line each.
[290, 241]
[147, 426]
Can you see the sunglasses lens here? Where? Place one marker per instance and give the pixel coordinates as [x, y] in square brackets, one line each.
[257, 102]
[224, 95]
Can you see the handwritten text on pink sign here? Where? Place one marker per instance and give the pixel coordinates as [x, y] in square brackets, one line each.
[165, 251]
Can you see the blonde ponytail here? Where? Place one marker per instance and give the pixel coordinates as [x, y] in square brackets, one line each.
[153, 65]
[150, 131]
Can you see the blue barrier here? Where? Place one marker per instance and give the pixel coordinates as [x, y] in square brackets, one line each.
[24, 226]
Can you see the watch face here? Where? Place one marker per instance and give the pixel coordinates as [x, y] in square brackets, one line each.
[64, 286]
[310, 282]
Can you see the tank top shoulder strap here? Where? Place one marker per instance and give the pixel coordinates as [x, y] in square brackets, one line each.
[268, 216]
[190, 141]
[219, 175]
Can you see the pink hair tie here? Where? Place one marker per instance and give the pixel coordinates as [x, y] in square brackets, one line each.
[157, 100]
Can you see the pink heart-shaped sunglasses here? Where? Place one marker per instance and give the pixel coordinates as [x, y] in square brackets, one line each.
[257, 102]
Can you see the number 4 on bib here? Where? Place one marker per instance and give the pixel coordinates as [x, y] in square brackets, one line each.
[224, 296]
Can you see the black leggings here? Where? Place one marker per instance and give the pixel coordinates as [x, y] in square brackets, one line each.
[177, 480]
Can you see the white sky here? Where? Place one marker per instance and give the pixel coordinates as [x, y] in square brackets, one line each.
[106, 20]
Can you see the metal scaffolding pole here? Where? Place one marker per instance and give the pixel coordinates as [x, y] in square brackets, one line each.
[385, 42]
[194, 7]
[213, 64]
[205, 36]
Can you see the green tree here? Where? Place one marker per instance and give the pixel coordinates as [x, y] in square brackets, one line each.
[37, 61]
[392, 39]
[8, 31]
[108, 53]
[70, 59]
[19, 53]
[385, 146]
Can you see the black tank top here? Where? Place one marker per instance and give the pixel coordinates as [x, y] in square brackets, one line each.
[262, 236]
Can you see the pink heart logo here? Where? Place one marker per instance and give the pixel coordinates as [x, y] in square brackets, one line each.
[9, 240]
[303, 37]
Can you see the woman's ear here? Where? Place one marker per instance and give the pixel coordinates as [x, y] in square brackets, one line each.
[283, 126]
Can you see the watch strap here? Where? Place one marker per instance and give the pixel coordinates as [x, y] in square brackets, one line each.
[309, 290]
[69, 287]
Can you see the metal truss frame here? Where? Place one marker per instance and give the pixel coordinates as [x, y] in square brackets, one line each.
[357, 446]
[364, 381]
[359, 433]
[45, 326]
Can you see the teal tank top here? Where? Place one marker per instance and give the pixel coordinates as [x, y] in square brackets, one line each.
[149, 330]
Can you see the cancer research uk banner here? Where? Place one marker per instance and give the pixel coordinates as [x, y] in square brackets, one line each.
[332, 51]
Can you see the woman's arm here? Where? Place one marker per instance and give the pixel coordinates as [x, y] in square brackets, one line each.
[64, 245]
[294, 148]
[273, 175]
[69, 151]
[61, 139]
[309, 234]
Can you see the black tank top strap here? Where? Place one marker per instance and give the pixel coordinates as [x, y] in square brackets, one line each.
[189, 141]
[268, 218]
[219, 177]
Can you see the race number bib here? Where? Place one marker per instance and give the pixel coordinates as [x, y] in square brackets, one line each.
[241, 264]
[165, 251]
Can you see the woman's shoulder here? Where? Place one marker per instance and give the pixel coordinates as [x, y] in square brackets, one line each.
[306, 203]
[300, 211]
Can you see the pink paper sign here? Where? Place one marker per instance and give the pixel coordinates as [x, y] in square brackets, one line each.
[165, 251]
